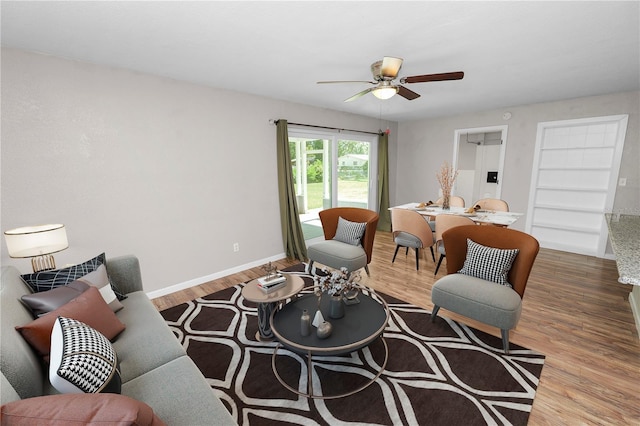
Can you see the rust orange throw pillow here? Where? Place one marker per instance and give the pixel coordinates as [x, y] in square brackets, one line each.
[89, 307]
[79, 409]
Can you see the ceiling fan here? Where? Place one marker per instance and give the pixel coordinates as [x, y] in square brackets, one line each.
[386, 71]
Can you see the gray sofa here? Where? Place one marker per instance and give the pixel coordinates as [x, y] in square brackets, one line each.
[155, 368]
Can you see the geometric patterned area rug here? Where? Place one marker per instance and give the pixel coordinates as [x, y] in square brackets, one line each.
[441, 373]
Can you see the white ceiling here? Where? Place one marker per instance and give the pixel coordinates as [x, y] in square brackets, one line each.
[512, 53]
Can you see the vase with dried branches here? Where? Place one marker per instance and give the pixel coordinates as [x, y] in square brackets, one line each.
[446, 177]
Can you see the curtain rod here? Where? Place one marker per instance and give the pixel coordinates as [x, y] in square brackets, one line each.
[328, 128]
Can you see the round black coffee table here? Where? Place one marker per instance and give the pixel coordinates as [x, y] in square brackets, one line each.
[361, 324]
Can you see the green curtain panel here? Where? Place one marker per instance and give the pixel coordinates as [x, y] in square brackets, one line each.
[292, 236]
[384, 224]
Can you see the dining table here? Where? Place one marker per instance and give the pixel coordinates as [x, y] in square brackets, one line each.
[481, 217]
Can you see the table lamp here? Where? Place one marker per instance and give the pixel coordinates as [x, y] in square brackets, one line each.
[37, 242]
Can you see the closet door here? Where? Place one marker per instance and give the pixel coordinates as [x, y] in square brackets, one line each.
[573, 182]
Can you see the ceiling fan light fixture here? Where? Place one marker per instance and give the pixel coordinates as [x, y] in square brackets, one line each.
[385, 73]
[385, 92]
[390, 67]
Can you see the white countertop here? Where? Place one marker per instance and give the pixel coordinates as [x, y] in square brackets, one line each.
[624, 234]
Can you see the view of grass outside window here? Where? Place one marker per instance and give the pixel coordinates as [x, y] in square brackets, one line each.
[352, 190]
[314, 172]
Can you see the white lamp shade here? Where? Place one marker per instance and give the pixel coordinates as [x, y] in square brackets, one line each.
[32, 241]
[385, 92]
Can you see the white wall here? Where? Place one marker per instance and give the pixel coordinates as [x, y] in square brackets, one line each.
[172, 172]
[424, 144]
[176, 173]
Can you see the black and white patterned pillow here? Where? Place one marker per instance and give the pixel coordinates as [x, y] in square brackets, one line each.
[48, 280]
[82, 359]
[488, 263]
[349, 232]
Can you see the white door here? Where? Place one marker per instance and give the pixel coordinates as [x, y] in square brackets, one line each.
[575, 172]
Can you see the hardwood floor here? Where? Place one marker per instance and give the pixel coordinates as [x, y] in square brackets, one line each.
[574, 312]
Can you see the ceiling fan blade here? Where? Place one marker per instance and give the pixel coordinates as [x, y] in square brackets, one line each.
[357, 95]
[433, 77]
[407, 94]
[390, 66]
[346, 81]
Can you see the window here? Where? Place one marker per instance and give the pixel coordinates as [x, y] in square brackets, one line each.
[327, 174]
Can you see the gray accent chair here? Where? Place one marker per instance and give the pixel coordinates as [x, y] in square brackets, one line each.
[337, 254]
[490, 303]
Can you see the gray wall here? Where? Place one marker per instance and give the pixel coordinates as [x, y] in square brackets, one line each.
[424, 144]
[132, 163]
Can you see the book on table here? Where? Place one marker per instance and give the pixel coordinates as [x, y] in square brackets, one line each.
[271, 281]
[273, 287]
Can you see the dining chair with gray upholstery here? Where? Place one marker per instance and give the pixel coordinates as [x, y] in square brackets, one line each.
[454, 201]
[492, 204]
[445, 222]
[411, 230]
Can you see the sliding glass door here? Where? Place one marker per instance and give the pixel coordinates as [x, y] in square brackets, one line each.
[331, 170]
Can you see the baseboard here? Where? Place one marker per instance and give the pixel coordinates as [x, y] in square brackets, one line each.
[197, 281]
[634, 300]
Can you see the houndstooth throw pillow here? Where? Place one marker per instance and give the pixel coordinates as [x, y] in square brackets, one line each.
[349, 232]
[82, 359]
[488, 263]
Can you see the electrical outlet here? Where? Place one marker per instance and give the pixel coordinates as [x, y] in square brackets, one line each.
[622, 182]
[236, 247]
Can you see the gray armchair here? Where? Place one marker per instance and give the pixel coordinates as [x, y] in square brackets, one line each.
[337, 254]
[480, 299]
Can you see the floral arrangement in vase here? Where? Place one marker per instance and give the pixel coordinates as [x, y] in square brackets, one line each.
[340, 285]
[337, 282]
[446, 178]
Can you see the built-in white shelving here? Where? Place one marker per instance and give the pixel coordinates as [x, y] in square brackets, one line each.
[575, 172]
